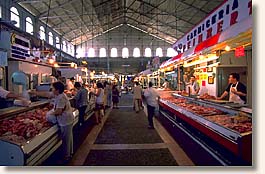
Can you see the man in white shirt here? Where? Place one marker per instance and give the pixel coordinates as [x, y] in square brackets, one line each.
[70, 84]
[137, 97]
[166, 85]
[152, 97]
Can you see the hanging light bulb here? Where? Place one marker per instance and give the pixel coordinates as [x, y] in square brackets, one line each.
[201, 56]
[227, 48]
[51, 61]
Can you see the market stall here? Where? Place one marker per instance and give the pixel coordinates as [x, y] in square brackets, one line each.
[219, 132]
[215, 48]
[69, 70]
[26, 138]
[144, 77]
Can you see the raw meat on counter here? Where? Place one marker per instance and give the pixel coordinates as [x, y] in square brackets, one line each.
[172, 99]
[167, 97]
[240, 124]
[165, 94]
[207, 96]
[200, 110]
[24, 126]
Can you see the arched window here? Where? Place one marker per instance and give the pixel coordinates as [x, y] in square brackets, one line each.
[91, 52]
[29, 25]
[0, 11]
[113, 52]
[148, 52]
[125, 53]
[14, 16]
[71, 49]
[57, 42]
[171, 52]
[102, 52]
[159, 52]
[79, 52]
[50, 38]
[64, 46]
[42, 33]
[136, 52]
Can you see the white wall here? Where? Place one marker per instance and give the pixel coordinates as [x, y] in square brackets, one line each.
[125, 36]
[28, 68]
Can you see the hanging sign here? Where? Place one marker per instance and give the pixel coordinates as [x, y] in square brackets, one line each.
[240, 51]
[226, 15]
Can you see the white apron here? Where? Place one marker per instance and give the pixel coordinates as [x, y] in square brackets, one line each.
[235, 98]
[192, 91]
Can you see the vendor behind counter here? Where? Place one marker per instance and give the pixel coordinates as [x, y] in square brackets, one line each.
[6, 95]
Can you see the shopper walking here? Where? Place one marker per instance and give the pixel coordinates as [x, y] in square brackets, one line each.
[105, 97]
[137, 97]
[99, 106]
[115, 96]
[109, 94]
[151, 96]
[81, 101]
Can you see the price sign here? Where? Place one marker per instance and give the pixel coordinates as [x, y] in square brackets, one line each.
[240, 51]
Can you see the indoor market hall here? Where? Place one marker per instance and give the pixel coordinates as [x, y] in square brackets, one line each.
[127, 83]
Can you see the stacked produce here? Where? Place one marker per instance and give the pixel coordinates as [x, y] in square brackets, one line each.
[24, 126]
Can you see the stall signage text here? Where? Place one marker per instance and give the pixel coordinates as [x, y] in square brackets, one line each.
[228, 14]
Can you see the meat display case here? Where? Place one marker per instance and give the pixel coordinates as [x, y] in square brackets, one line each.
[35, 150]
[222, 144]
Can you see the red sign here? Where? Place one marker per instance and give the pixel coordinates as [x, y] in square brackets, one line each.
[203, 83]
[224, 16]
[240, 51]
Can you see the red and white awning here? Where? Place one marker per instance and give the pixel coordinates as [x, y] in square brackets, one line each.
[231, 32]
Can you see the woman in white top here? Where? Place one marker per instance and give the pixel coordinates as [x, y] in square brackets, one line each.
[62, 114]
[99, 107]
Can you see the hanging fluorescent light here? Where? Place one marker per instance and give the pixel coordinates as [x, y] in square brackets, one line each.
[56, 65]
[137, 28]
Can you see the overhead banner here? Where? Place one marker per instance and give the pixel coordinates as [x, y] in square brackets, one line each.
[226, 15]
